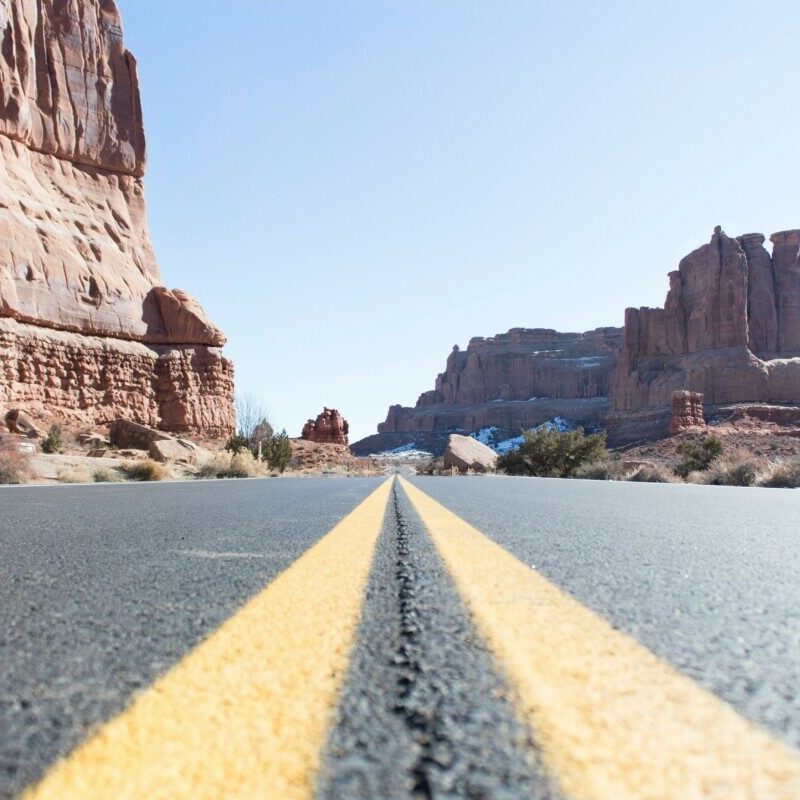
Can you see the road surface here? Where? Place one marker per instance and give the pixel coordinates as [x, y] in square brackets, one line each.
[424, 638]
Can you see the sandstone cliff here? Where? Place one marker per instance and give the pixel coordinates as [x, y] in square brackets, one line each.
[729, 329]
[511, 381]
[75, 254]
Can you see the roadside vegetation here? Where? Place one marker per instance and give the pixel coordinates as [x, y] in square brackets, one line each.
[144, 470]
[574, 454]
[15, 467]
[547, 453]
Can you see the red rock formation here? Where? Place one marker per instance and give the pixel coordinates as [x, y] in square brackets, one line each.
[730, 330]
[687, 412]
[328, 428]
[75, 254]
[512, 381]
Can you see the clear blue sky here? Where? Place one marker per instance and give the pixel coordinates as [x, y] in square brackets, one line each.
[350, 188]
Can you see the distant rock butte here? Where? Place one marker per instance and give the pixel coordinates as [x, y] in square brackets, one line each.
[330, 427]
[511, 381]
[87, 331]
[729, 330]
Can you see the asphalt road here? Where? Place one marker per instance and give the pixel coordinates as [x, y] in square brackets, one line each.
[105, 589]
[707, 577]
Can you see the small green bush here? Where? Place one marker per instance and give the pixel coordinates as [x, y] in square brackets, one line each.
[146, 470]
[53, 442]
[783, 476]
[697, 456]
[549, 453]
[237, 443]
[277, 451]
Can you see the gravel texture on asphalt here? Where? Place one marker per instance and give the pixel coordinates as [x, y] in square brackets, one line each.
[706, 577]
[424, 713]
[103, 588]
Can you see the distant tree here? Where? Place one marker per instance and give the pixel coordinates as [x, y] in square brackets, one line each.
[278, 451]
[698, 456]
[251, 413]
[237, 443]
[549, 453]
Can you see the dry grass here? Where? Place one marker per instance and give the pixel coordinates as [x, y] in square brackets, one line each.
[604, 470]
[228, 465]
[74, 475]
[15, 468]
[106, 476]
[650, 473]
[782, 476]
[146, 470]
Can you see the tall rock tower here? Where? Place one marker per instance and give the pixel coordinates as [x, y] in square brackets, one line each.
[87, 331]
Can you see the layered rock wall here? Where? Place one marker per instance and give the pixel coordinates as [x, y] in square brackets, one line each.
[75, 254]
[512, 381]
[729, 329]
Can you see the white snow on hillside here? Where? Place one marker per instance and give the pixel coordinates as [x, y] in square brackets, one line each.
[488, 436]
[406, 452]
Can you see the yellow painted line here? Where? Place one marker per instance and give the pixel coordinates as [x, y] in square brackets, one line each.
[613, 721]
[245, 714]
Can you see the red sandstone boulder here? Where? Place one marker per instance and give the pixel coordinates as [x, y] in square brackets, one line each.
[465, 454]
[18, 422]
[687, 412]
[330, 427]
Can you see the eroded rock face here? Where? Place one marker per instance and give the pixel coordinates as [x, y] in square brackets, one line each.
[687, 412]
[729, 330]
[516, 380]
[330, 427]
[75, 254]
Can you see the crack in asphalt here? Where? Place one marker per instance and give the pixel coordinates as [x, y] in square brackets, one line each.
[424, 714]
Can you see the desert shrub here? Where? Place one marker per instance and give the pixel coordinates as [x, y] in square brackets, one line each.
[14, 466]
[650, 473]
[146, 470]
[553, 454]
[74, 475]
[230, 465]
[603, 470]
[106, 476]
[277, 451]
[731, 471]
[697, 456]
[782, 476]
[53, 442]
[237, 443]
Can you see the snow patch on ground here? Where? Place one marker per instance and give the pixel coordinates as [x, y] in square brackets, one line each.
[406, 452]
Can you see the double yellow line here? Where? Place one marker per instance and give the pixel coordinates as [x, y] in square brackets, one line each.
[246, 714]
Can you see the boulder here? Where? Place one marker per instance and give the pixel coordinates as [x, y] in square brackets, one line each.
[124, 433]
[18, 422]
[465, 453]
[330, 427]
[179, 451]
